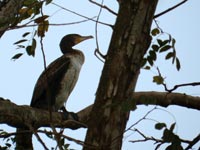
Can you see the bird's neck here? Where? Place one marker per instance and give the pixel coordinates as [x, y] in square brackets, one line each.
[67, 50]
[75, 53]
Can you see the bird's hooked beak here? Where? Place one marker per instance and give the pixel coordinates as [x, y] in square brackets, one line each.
[83, 38]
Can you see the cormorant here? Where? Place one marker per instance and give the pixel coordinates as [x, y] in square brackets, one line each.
[55, 84]
[58, 80]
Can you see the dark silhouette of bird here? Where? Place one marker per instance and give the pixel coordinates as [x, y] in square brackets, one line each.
[60, 76]
[56, 82]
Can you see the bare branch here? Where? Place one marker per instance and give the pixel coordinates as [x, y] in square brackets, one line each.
[38, 138]
[178, 85]
[97, 51]
[81, 15]
[104, 6]
[170, 9]
[193, 142]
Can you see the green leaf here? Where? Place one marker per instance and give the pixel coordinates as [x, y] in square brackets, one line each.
[17, 56]
[155, 32]
[144, 61]
[159, 42]
[42, 28]
[150, 60]
[152, 55]
[165, 48]
[41, 19]
[172, 127]
[162, 43]
[31, 48]
[178, 65]
[155, 47]
[158, 80]
[160, 126]
[173, 42]
[20, 41]
[169, 55]
[48, 1]
[25, 34]
[147, 68]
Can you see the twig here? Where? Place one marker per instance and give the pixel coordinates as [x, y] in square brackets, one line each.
[40, 140]
[51, 24]
[178, 85]
[193, 142]
[129, 128]
[79, 142]
[146, 138]
[97, 51]
[81, 15]
[170, 9]
[104, 6]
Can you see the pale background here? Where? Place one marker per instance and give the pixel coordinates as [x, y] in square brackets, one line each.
[19, 77]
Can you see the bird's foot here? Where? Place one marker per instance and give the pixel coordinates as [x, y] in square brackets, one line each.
[69, 115]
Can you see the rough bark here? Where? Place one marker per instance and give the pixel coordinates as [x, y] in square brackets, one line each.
[8, 10]
[129, 42]
[20, 116]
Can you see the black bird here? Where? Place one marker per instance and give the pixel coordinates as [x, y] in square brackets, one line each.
[56, 83]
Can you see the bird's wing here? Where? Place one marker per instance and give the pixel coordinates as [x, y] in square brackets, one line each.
[49, 81]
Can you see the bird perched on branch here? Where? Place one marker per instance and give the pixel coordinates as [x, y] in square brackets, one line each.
[58, 80]
[56, 83]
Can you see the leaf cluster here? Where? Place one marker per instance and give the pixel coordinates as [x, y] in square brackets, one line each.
[169, 137]
[9, 141]
[161, 46]
[30, 10]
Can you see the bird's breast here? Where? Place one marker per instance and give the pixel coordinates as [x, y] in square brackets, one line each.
[68, 81]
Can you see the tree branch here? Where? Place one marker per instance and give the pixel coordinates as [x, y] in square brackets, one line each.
[19, 116]
[7, 14]
[170, 9]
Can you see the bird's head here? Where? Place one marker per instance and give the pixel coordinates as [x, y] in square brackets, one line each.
[70, 40]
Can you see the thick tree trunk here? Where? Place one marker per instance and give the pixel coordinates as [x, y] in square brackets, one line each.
[8, 10]
[130, 40]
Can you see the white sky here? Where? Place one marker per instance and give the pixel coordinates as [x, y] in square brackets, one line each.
[19, 77]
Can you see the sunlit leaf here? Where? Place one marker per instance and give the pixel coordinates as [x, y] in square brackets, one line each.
[155, 32]
[158, 80]
[42, 28]
[41, 19]
[17, 56]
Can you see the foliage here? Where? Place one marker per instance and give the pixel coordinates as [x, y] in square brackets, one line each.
[161, 46]
[169, 137]
[30, 11]
[9, 141]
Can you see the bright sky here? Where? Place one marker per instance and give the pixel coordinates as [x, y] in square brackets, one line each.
[19, 77]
